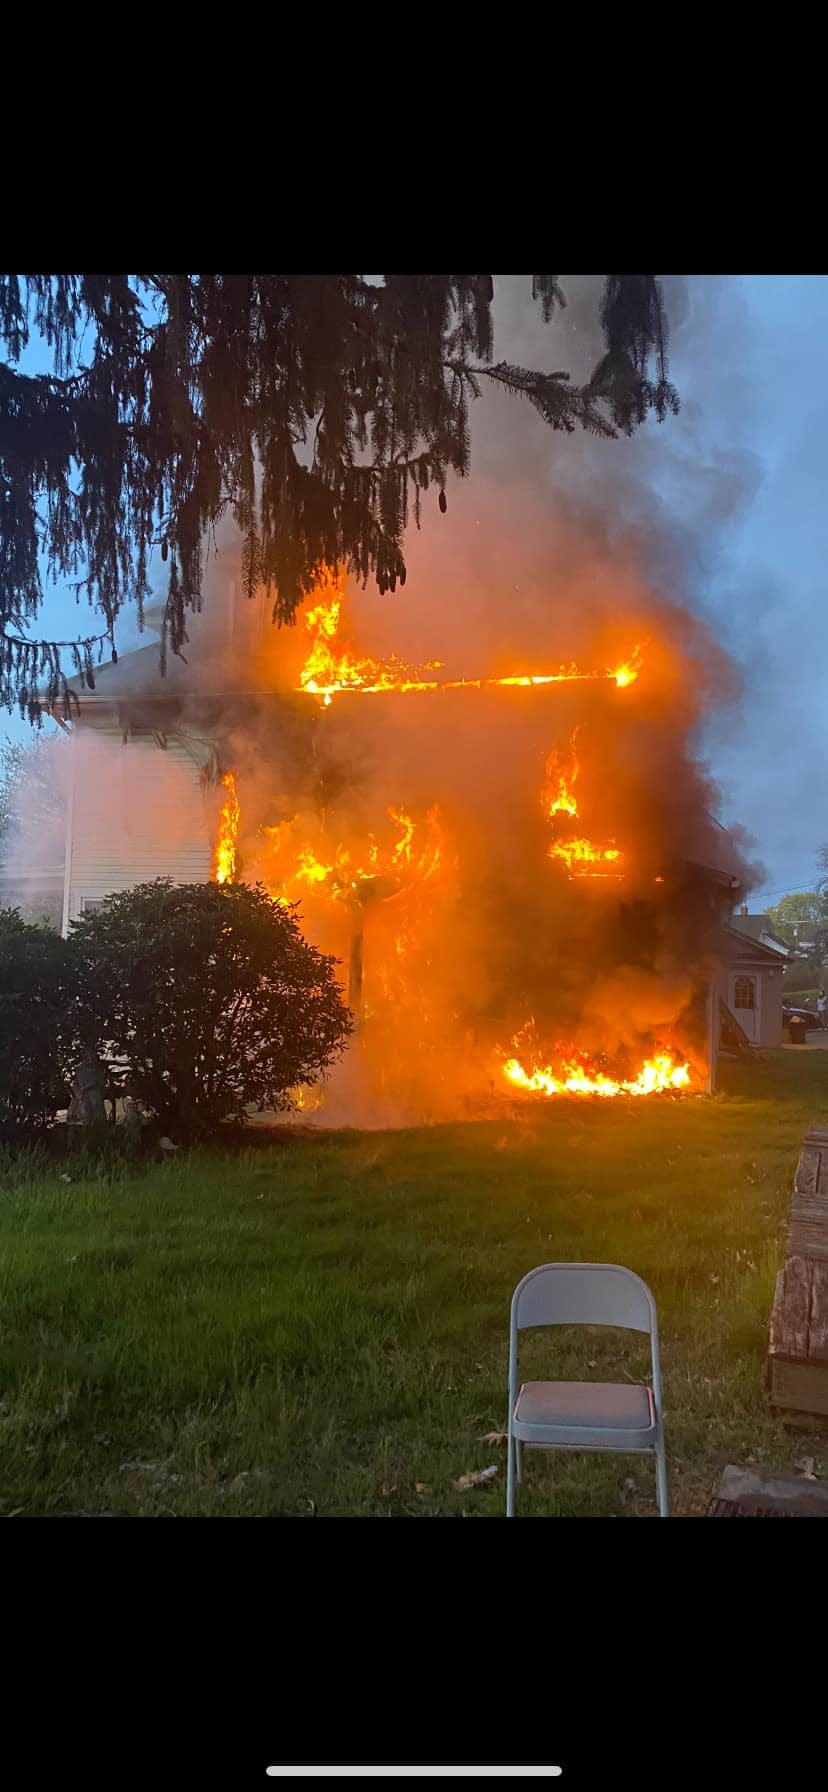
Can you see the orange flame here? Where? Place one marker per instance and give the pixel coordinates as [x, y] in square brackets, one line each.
[628, 672]
[310, 869]
[558, 798]
[328, 672]
[355, 872]
[574, 1076]
[224, 858]
[557, 795]
[582, 852]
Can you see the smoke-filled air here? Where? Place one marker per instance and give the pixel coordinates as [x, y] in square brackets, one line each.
[483, 791]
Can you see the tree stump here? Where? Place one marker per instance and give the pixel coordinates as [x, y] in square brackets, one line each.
[87, 1106]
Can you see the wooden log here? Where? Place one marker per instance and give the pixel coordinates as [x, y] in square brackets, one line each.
[799, 1387]
[798, 1343]
[818, 1316]
[798, 1346]
[791, 1306]
[807, 1237]
[808, 1241]
[806, 1180]
[808, 1220]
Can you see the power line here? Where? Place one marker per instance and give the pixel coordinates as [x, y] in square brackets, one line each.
[783, 889]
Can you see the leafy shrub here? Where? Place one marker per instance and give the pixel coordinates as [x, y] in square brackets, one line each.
[35, 1024]
[211, 995]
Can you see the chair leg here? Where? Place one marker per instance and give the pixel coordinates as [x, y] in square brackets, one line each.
[510, 1477]
[519, 1462]
[661, 1480]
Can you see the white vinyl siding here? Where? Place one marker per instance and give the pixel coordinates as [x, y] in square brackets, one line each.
[138, 813]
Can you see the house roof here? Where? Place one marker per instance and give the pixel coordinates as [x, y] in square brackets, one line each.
[203, 674]
[138, 673]
[716, 856]
[729, 880]
[746, 948]
[760, 927]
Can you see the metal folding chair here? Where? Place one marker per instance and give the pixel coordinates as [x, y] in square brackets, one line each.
[584, 1415]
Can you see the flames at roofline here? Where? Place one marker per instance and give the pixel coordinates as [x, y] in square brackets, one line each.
[333, 668]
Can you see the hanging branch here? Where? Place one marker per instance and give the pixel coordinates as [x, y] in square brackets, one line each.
[33, 678]
[196, 396]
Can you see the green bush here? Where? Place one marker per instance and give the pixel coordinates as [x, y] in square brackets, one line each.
[211, 995]
[36, 1027]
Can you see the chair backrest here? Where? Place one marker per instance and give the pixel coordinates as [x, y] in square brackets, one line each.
[583, 1294]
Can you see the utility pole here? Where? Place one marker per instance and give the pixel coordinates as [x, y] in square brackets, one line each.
[713, 1025]
[69, 837]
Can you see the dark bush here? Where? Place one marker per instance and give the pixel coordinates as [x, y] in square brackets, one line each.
[36, 1028]
[211, 995]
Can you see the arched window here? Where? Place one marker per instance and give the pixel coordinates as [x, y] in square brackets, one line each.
[744, 992]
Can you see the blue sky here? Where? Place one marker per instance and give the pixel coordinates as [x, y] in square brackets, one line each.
[770, 756]
[745, 475]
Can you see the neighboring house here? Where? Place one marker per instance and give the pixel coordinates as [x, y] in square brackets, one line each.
[753, 961]
[752, 957]
[36, 891]
[145, 760]
[760, 927]
[136, 807]
[32, 830]
[747, 986]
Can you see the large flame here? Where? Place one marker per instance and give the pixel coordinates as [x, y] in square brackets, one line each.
[558, 793]
[332, 668]
[390, 888]
[581, 857]
[576, 1076]
[224, 858]
[298, 852]
[582, 853]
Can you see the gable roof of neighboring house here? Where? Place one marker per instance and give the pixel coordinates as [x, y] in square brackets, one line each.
[745, 948]
[760, 927]
[214, 669]
[136, 674]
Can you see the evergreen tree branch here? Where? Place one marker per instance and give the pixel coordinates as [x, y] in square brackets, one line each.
[192, 382]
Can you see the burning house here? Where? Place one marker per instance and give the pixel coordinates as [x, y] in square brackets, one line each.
[484, 793]
[511, 856]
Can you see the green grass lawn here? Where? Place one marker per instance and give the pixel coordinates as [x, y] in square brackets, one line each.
[320, 1324]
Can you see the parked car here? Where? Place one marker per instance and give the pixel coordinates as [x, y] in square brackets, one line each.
[811, 1019]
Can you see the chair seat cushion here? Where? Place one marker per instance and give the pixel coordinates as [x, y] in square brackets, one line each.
[589, 1405]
